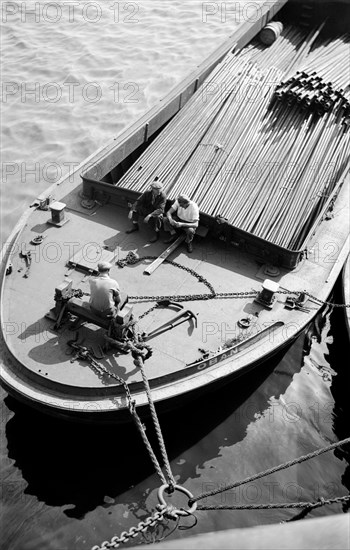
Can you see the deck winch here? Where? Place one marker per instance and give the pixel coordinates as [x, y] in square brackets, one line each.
[69, 300]
[266, 296]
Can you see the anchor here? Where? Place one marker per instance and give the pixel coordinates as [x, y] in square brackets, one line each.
[185, 315]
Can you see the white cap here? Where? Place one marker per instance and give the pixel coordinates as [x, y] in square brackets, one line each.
[157, 184]
[104, 266]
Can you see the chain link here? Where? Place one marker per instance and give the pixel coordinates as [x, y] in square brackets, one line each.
[184, 297]
[324, 302]
[175, 298]
[148, 310]
[115, 541]
[86, 354]
[213, 294]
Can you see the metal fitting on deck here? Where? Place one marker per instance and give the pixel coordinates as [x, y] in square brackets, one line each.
[266, 296]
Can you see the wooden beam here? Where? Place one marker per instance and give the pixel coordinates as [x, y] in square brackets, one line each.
[149, 270]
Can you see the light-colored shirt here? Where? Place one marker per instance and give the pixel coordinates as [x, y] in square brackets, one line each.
[189, 214]
[102, 292]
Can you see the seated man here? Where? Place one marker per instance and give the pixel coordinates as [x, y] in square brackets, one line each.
[183, 215]
[151, 206]
[104, 293]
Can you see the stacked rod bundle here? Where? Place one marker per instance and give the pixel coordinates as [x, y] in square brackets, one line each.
[330, 60]
[323, 83]
[265, 165]
[204, 132]
[173, 148]
[293, 168]
[292, 45]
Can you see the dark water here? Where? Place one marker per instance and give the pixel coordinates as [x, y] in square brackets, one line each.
[68, 486]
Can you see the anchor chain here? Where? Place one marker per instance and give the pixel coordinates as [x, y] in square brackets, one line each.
[181, 298]
[142, 526]
[132, 259]
[86, 354]
[164, 511]
[323, 302]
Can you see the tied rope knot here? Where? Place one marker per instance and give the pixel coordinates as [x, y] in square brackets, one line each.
[168, 510]
[140, 351]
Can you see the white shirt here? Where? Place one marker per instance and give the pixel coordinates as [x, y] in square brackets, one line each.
[102, 291]
[189, 214]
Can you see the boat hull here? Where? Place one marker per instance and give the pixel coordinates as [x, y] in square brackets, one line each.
[90, 412]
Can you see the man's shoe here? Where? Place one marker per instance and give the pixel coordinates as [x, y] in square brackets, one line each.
[155, 238]
[189, 247]
[133, 229]
[170, 240]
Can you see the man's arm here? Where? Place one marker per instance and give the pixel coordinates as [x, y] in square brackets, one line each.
[187, 224]
[193, 223]
[116, 297]
[116, 293]
[160, 205]
[169, 215]
[138, 203]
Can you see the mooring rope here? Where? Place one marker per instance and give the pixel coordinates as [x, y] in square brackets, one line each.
[171, 481]
[271, 470]
[86, 354]
[148, 446]
[320, 502]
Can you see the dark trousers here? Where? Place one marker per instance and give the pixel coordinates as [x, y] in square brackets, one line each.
[190, 231]
[155, 222]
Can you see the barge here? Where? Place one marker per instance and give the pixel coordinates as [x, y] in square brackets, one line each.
[266, 255]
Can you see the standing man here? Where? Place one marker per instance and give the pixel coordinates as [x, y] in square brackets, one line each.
[183, 215]
[104, 292]
[151, 206]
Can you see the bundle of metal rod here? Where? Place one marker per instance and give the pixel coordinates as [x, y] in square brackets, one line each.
[283, 200]
[265, 164]
[202, 175]
[165, 158]
[304, 50]
[330, 63]
[171, 149]
[280, 53]
[323, 81]
[320, 184]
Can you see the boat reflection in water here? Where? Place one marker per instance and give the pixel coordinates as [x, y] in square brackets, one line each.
[87, 473]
